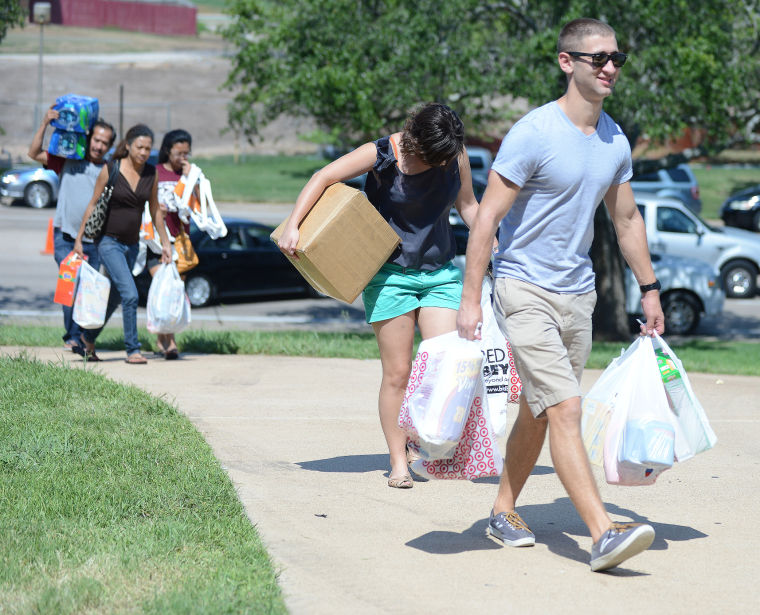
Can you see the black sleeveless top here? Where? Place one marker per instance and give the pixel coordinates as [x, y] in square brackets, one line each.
[416, 207]
[125, 209]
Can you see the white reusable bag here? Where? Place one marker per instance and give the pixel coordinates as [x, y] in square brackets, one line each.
[92, 298]
[442, 385]
[502, 383]
[168, 306]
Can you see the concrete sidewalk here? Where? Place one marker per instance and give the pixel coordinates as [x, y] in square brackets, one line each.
[302, 443]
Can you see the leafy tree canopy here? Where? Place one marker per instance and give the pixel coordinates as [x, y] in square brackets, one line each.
[11, 14]
[358, 66]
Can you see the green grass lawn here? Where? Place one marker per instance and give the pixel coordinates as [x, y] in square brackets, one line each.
[259, 179]
[742, 358]
[112, 502]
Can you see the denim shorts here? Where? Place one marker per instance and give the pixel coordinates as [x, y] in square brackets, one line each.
[395, 291]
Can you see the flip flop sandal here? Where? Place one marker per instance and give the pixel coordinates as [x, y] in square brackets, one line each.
[90, 356]
[136, 359]
[401, 482]
[171, 355]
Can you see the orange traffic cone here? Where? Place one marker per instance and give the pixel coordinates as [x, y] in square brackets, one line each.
[49, 245]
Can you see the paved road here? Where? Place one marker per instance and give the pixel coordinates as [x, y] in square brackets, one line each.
[27, 284]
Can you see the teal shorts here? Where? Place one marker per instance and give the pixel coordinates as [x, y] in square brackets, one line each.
[395, 291]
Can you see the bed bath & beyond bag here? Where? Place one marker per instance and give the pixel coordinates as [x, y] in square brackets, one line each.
[445, 411]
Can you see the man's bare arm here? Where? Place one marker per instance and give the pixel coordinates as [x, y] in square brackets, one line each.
[496, 203]
[35, 147]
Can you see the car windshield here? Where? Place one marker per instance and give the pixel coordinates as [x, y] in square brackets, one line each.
[715, 229]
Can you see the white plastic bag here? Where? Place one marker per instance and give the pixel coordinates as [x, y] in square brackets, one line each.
[168, 306]
[640, 438]
[502, 383]
[442, 385]
[694, 434]
[92, 298]
[599, 404]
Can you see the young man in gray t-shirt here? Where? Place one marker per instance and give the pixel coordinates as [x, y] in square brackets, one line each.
[553, 169]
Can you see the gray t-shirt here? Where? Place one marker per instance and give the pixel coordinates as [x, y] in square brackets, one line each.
[563, 174]
[77, 182]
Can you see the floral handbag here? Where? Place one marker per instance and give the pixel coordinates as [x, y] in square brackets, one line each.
[96, 223]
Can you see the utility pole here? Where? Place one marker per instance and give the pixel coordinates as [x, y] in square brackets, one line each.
[41, 17]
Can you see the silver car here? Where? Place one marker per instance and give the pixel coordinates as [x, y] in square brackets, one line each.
[690, 289]
[36, 186]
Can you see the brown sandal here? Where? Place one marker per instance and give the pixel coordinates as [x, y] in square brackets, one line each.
[136, 359]
[401, 482]
[88, 351]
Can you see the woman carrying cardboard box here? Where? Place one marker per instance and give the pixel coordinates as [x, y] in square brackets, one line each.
[413, 179]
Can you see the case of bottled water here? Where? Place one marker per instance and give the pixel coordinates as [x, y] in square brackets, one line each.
[67, 144]
[76, 113]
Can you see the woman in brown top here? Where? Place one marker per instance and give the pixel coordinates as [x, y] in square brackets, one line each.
[136, 182]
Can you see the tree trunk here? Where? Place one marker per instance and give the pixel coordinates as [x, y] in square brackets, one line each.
[610, 320]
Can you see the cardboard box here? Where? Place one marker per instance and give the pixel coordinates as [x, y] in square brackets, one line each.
[344, 241]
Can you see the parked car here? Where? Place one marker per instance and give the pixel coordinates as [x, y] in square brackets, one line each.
[244, 263]
[673, 229]
[690, 288]
[742, 209]
[677, 182]
[36, 186]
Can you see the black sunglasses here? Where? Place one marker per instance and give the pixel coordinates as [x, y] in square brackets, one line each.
[600, 59]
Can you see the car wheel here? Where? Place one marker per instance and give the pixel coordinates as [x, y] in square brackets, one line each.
[38, 195]
[739, 279]
[682, 313]
[200, 290]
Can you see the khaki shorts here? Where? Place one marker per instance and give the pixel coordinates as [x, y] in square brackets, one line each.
[550, 335]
